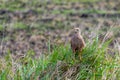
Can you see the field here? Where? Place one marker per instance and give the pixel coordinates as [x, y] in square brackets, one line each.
[35, 39]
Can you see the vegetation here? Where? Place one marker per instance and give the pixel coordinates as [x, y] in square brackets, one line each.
[96, 64]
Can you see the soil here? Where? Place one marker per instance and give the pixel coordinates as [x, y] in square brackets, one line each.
[45, 29]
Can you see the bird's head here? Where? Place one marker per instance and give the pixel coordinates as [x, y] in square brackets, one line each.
[77, 30]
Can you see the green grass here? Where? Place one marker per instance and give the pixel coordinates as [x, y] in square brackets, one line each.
[86, 11]
[68, 1]
[19, 25]
[25, 4]
[1, 28]
[96, 64]
[92, 11]
[21, 5]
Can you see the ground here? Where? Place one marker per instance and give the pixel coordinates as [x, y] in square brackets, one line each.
[33, 25]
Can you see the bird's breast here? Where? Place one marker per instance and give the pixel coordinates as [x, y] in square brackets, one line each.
[77, 40]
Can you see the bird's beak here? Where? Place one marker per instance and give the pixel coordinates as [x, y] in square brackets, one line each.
[73, 29]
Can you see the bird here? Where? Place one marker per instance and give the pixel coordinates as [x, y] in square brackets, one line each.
[77, 42]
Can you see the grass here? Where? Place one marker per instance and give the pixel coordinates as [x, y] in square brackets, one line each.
[66, 1]
[1, 28]
[22, 5]
[19, 25]
[96, 64]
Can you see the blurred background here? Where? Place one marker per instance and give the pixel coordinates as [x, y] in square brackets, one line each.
[38, 25]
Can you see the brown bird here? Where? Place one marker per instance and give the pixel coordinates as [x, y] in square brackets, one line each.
[77, 42]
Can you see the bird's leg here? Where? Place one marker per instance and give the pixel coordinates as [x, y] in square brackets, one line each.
[73, 51]
[80, 56]
[74, 54]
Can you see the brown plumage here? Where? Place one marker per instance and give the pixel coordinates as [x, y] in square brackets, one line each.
[77, 42]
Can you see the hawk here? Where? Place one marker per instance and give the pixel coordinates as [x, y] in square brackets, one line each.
[77, 42]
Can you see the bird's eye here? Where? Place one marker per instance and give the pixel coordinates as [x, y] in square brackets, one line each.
[77, 30]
